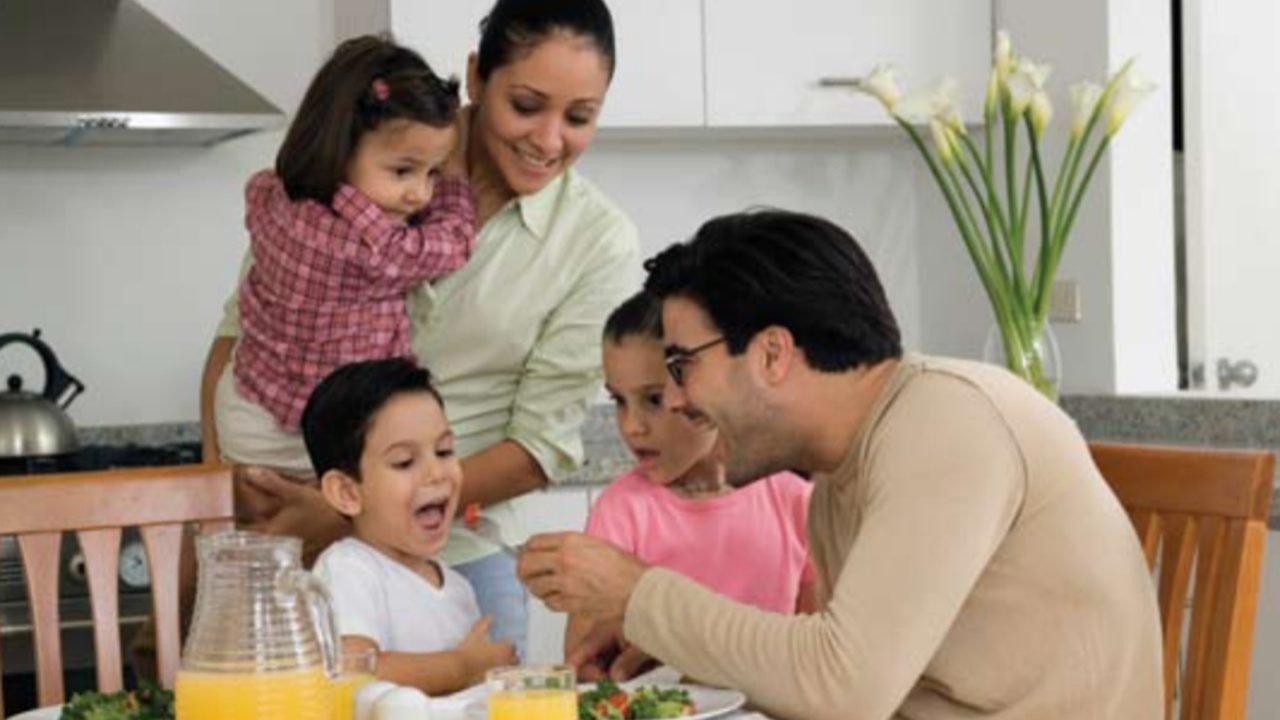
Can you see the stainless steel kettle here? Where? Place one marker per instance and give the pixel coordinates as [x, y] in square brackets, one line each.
[37, 424]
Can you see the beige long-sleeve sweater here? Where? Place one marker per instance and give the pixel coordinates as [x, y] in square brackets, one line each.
[977, 564]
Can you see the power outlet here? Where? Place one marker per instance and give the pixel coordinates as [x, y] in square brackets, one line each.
[1064, 302]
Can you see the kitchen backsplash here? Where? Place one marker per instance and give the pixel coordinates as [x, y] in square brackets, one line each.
[1169, 420]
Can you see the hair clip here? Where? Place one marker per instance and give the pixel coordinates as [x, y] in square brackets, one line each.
[380, 89]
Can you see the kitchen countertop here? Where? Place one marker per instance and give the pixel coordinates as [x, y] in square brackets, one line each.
[1189, 421]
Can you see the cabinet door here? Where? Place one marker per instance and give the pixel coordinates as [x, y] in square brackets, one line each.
[658, 82]
[764, 58]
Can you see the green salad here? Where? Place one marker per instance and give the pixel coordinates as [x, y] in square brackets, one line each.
[607, 701]
[146, 703]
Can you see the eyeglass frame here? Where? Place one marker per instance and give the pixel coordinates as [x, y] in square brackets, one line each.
[678, 357]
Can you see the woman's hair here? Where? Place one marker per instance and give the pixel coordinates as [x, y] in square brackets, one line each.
[514, 27]
[638, 316]
[342, 408]
[367, 81]
[751, 270]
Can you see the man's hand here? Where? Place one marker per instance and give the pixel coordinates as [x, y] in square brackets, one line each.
[575, 573]
[603, 653]
[271, 503]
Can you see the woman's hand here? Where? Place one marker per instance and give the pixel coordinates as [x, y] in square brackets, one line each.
[272, 503]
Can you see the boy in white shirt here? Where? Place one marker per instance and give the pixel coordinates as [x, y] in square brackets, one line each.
[382, 448]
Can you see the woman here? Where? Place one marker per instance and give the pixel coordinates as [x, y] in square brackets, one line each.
[514, 335]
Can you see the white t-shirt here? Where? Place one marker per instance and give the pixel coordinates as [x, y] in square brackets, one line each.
[376, 597]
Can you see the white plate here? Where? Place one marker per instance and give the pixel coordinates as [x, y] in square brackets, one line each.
[710, 702]
[53, 712]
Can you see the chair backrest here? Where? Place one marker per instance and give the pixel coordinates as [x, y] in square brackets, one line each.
[1201, 516]
[161, 501]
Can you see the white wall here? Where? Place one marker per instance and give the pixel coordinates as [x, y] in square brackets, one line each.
[124, 255]
[1121, 250]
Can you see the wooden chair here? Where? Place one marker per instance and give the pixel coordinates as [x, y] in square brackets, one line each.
[1199, 513]
[37, 509]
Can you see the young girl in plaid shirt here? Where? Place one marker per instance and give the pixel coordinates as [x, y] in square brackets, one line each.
[368, 199]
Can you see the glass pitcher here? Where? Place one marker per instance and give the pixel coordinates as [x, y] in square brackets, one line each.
[262, 639]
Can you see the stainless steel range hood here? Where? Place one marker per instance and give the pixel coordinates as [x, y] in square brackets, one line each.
[108, 72]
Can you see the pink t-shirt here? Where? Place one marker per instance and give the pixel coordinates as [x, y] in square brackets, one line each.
[748, 545]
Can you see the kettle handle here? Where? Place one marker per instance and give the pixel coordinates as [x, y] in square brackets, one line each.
[56, 377]
[320, 607]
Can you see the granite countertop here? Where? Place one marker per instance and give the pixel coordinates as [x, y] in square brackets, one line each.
[1189, 421]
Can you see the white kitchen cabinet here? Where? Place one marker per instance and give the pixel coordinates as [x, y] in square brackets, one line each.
[658, 82]
[764, 58]
[560, 509]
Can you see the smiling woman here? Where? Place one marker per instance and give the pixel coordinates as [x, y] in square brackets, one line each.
[513, 337]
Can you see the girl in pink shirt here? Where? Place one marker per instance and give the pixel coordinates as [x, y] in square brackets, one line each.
[674, 507]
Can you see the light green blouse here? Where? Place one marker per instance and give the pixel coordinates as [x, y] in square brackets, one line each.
[513, 338]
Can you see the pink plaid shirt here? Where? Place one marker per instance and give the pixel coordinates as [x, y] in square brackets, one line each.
[328, 284]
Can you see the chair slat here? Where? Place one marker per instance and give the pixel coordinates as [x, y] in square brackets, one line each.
[40, 561]
[1148, 525]
[101, 549]
[164, 548]
[1175, 578]
[1209, 562]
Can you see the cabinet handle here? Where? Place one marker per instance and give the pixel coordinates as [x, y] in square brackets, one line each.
[838, 81]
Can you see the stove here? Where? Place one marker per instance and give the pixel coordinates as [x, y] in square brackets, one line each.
[16, 642]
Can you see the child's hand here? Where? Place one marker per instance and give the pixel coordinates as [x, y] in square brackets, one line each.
[455, 165]
[481, 653]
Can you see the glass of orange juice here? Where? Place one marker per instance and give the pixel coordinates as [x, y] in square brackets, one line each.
[547, 692]
[356, 668]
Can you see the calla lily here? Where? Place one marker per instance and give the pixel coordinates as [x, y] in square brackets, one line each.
[940, 103]
[1027, 79]
[993, 95]
[882, 84]
[943, 140]
[1084, 98]
[1041, 112]
[1003, 54]
[1130, 91]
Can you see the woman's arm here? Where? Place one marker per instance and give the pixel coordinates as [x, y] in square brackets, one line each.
[214, 363]
[499, 472]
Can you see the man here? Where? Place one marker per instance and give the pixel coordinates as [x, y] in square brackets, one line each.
[973, 561]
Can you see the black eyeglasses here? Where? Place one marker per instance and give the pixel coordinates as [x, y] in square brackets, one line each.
[678, 357]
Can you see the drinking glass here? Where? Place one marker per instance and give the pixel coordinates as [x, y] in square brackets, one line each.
[546, 692]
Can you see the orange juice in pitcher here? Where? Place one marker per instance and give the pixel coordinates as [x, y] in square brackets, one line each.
[291, 695]
[262, 641]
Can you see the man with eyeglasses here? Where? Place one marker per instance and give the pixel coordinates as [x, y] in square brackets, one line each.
[972, 560]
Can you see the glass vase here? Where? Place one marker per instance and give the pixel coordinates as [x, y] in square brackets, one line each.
[1038, 360]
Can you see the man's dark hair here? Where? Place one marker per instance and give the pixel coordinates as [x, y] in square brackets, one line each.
[369, 80]
[341, 409]
[638, 316]
[755, 269]
[515, 27]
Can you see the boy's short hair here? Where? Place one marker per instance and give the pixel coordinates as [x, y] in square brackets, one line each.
[639, 315]
[341, 409]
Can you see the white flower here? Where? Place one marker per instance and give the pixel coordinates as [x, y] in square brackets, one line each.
[993, 95]
[1130, 91]
[940, 103]
[1025, 81]
[1084, 98]
[1003, 54]
[944, 140]
[882, 84]
[1041, 111]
